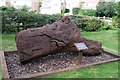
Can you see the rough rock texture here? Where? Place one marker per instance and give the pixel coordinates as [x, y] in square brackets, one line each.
[57, 37]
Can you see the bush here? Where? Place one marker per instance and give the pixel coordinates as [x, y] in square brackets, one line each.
[106, 8]
[87, 23]
[116, 19]
[4, 8]
[92, 24]
[88, 12]
[75, 11]
[77, 20]
[18, 20]
[14, 21]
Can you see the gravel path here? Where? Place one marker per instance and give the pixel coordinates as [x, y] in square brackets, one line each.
[48, 63]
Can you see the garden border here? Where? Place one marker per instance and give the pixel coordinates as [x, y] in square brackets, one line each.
[5, 73]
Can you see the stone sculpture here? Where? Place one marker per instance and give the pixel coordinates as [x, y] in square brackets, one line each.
[49, 39]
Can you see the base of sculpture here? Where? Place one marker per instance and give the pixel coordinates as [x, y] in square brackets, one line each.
[49, 64]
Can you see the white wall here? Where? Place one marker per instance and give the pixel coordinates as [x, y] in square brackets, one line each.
[55, 6]
[20, 3]
[90, 5]
[51, 7]
[2, 3]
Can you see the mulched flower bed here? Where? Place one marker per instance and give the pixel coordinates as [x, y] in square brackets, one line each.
[48, 63]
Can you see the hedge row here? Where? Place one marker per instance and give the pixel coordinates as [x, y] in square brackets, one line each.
[17, 20]
[88, 12]
[87, 23]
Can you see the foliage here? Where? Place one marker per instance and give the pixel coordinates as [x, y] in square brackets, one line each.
[88, 12]
[107, 26]
[4, 8]
[106, 9]
[117, 18]
[92, 24]
[77, 20]
[24, 8]
[115, 22]
[16, 20]
[118, 9]
[75, 11]
[87, 23]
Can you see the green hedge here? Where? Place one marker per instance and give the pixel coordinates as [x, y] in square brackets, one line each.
[87, 23]
[92, 24]
[88, 12]
[17, 20]
[75, 11]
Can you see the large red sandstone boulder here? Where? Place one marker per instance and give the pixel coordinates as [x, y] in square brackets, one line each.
[57, 37]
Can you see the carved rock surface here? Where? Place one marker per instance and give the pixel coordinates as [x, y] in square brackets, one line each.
[47, 39]
[57, 37]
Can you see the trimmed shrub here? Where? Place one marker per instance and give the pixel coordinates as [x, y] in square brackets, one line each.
[107, 26]
[75, 11]
[92, 24]
[88, 12]
[77, 20]
[18, 20]
[14, 21]
[87, 23]
[116, 22]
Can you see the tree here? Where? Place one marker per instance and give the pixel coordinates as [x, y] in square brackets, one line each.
[4, 8]
[24, 8]
[118, 9]
[88, 12]
[118, 14]
[106, 9]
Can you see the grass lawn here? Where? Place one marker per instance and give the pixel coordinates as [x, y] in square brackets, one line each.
[108, 38]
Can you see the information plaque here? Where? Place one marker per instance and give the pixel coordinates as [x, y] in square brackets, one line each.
[80, 46]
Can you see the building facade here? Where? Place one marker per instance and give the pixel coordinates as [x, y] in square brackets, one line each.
[55, 6]
[50, 7]
[31, 4]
